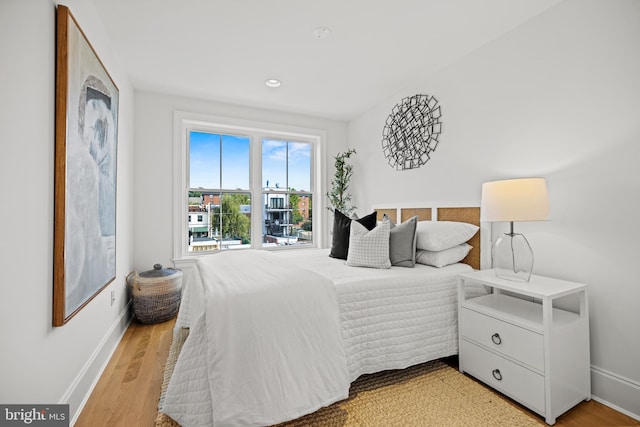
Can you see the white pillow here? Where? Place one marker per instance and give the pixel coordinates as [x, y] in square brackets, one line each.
[369, 248]
[444, 257]
[440, 235]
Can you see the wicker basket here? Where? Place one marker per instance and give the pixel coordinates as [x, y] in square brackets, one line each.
[156, 294]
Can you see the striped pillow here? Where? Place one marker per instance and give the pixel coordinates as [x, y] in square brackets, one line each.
[369, 248]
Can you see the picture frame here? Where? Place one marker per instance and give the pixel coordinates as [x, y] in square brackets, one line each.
[86, 141]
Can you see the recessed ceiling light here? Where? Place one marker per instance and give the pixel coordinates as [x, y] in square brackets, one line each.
[322, 32]
[273, 82]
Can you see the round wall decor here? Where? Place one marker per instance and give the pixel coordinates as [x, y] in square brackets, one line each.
[411, 132]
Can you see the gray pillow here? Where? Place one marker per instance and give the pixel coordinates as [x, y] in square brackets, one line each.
[402, 242]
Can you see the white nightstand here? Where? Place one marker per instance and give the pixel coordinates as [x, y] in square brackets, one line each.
[520, 342]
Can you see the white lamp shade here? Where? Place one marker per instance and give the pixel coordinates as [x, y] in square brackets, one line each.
[523, 199]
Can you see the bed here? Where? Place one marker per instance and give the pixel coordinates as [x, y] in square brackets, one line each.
[287, 336]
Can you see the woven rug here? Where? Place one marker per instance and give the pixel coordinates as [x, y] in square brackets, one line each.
[430, 394]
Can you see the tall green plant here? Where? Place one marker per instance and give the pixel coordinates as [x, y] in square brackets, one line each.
[339, 197]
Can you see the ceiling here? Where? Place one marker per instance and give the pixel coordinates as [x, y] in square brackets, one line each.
[224, 50]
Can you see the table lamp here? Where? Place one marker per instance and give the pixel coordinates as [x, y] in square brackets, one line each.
[512, 200]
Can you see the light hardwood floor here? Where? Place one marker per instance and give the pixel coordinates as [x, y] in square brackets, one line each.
[128, 391]
[127, 394]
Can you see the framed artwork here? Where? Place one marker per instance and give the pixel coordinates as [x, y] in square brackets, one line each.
[86, 129]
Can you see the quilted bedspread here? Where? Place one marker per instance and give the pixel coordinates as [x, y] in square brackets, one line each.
[392, 318]
[388, 319]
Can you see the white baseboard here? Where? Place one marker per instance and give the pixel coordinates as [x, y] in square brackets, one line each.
[79, 391]
[615, 391]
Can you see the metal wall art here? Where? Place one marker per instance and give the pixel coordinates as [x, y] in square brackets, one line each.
[411, 132]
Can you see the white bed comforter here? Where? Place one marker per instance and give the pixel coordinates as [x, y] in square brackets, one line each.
[256, 355]
[388, 319]
[395, 318]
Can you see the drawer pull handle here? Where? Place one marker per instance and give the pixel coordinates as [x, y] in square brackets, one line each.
[496, 374]
[496, 339]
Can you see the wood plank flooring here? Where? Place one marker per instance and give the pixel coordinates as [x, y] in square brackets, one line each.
[127, 394]
[128, 391]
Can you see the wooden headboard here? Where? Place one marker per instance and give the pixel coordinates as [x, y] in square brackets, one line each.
[460, 214]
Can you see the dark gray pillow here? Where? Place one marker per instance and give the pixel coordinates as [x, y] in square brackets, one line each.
[402, 242]
[341, 230]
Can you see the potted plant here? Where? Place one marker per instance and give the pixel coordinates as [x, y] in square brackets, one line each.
[339, 197]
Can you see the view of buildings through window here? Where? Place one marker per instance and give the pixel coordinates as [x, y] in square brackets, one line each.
[286, 185]
[220, 192]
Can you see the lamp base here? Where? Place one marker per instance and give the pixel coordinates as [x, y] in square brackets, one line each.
[512, 257]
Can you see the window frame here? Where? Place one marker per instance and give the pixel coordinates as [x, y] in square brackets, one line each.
[256, 131]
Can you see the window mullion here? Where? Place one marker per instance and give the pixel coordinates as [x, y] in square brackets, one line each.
[288, 211]
[220, 232]
[256, 190]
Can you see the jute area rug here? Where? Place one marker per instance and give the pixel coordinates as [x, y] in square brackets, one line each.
[430, 394]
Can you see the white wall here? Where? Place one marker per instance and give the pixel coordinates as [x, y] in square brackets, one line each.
[558, 97]
[41, 364]
[154, 135]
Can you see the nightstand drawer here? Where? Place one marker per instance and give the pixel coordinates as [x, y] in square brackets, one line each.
[511, 379]
[513, 341]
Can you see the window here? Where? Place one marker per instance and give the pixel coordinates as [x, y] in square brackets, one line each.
[286, 189]
[219, 176]
[244, 186]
